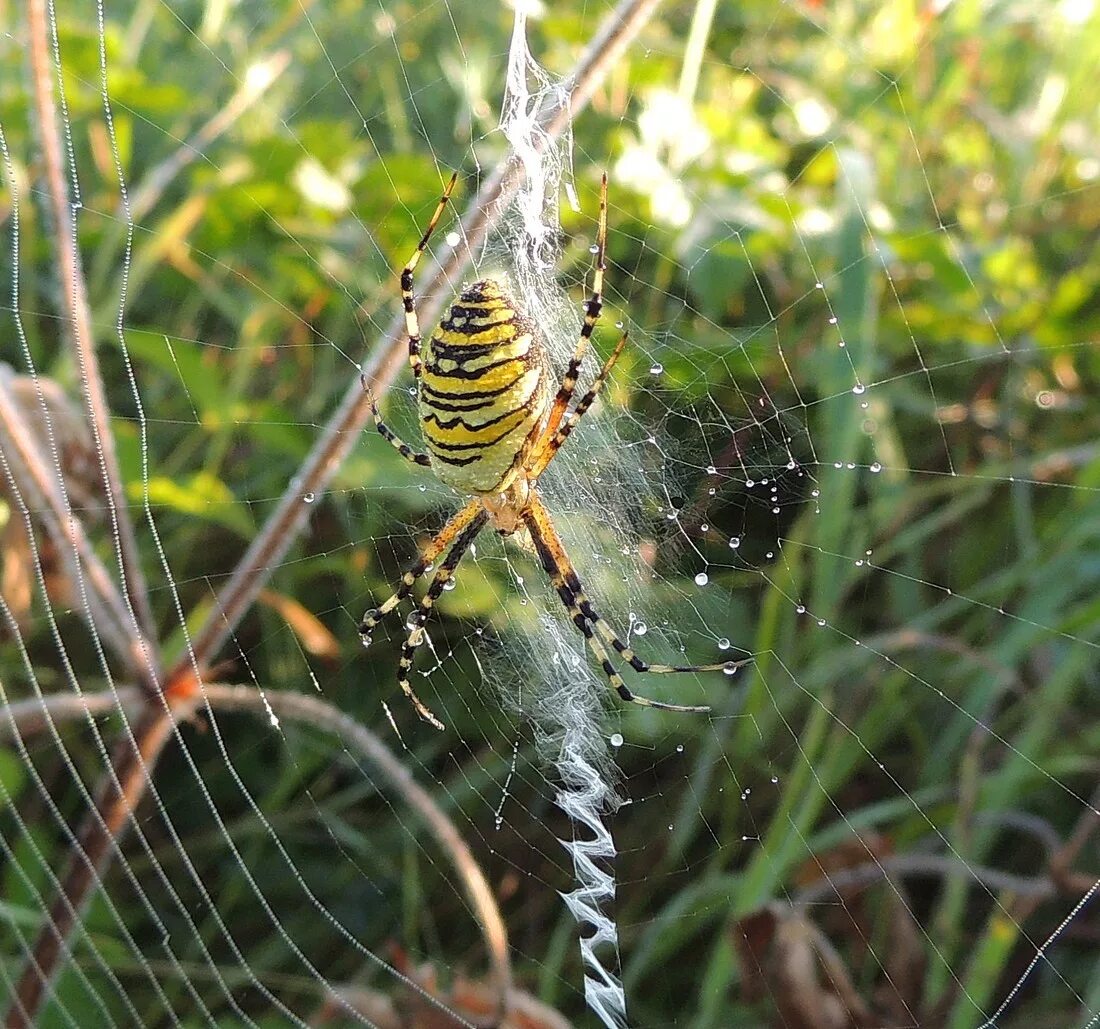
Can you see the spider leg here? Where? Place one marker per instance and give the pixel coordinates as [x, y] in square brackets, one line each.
[391, 437]
[412, 324]
[420, 615]
[592, 310]
[557, 565]
[440, 543]
[551, 446]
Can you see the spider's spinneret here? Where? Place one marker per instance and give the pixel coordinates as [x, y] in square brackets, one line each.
[483, 391]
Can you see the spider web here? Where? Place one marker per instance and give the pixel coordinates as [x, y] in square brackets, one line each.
[852, 436]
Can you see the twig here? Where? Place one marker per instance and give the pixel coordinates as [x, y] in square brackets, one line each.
[32, 716]
[316, 712]
[31, 472]
[28, 717]
[260, 77]
[79, 315]
[913, 865]
[118, 798]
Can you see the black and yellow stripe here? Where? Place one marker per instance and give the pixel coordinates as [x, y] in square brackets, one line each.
[563, 576]
[483, 392]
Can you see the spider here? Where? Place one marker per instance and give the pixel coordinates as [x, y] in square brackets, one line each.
[491, 429]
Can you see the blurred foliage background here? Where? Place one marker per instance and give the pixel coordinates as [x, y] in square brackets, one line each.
[895, 198]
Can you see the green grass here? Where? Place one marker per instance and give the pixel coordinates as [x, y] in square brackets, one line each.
[948, 210]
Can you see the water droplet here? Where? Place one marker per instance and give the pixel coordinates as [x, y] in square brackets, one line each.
[859, 389]
[775, 510]
[711, 492]
[616, 739]
[365, 639]
[735, 542]
[832, 321]
[815, 493]
[791, 465]
[449, 585]
[640, 628]
[723, 644]
[702, 579]
[594, 249]
[729, 668]
[819, 285]
[876, 468]
[656, 368]
[801, 609]
[711, 470]
[750, 483]
[679, 748]
[821, 623]
[618, 325]
[704, 527]
[308, 498]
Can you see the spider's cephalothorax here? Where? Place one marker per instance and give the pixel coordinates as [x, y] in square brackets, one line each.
[491, 430]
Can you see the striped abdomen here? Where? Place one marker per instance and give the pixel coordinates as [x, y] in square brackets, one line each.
[483, 390]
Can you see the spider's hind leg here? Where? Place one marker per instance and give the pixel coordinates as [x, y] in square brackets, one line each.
[420, 615]
[564, 578]
[440, 543]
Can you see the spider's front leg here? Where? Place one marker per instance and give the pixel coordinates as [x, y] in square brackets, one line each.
[592, 308]
[389, 435]
[408, 300]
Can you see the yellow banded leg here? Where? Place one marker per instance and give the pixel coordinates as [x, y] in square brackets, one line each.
[412, 324]
[392, 438]
[551, 446]
[628, 655]
[440, 543]
[592, 309]
[555, 562]
[420, 615]
[584, 605]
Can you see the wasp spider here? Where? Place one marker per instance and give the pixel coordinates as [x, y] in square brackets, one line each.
[491, 427]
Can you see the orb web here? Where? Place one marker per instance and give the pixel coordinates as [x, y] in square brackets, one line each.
[853, 436]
